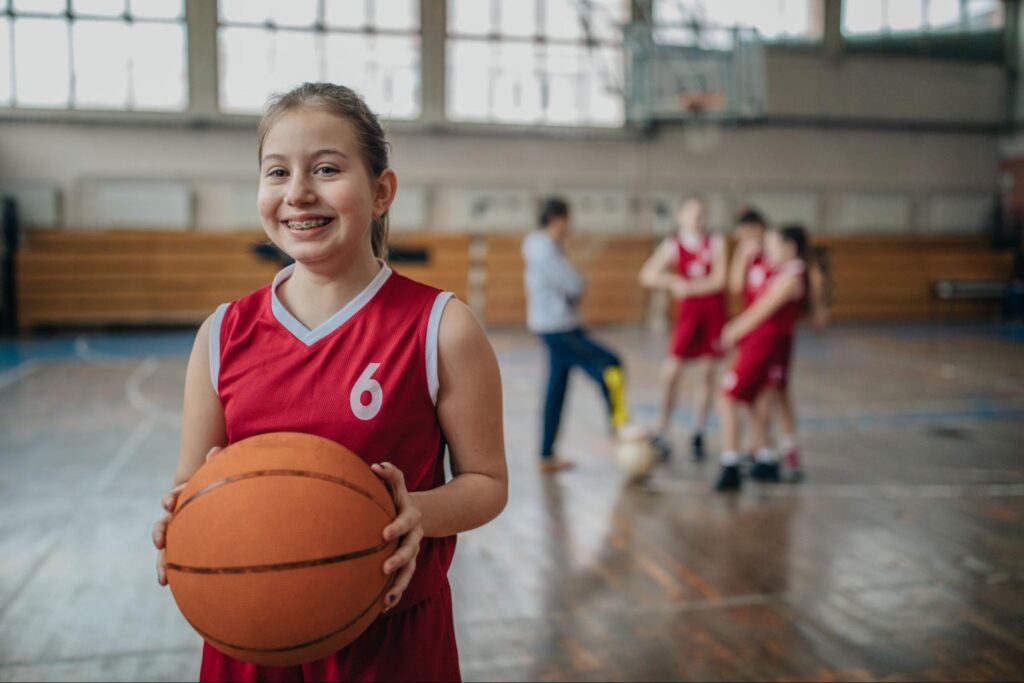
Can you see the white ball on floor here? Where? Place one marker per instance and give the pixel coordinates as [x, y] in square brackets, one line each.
[634, 453]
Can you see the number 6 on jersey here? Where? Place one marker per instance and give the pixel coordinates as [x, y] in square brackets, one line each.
[367, 385]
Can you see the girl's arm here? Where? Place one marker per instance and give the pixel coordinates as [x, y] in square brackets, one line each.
[469, 408]
[202, 433]
[819, 301]
[715, 281]
[738, 266]
[655, 274]
[763, 307]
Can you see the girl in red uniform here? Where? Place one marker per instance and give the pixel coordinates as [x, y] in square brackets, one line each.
[341, 346]
[691, 266]
[763, 332]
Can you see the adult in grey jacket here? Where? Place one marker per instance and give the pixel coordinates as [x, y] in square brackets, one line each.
[553, 291]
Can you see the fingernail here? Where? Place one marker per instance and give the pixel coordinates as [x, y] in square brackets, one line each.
[391, 599]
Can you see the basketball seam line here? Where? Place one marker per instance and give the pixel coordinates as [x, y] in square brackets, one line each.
[277, 473]
[289, 648]
[280, 566]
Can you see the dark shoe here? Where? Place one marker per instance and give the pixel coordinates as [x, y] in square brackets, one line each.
[793, 475]
[766, 472]
[697, 449]
[662, 448]
[729, 479]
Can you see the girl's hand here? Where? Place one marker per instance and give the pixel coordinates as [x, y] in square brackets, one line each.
[169, 502]
[680, 288]
[728, 339]
[406, 526]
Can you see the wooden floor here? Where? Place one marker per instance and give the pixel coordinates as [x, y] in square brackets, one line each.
[901, 558]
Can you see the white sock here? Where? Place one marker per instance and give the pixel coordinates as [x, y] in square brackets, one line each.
[767, 456]
[729, 459]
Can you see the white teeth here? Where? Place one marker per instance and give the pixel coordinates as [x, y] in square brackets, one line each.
[307, 225]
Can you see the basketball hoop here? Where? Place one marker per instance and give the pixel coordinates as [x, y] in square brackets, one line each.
[701, 133]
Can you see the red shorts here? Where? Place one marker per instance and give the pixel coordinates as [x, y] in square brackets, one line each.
[756, 358]
[415, 644]
[778, 373]
[698, 328]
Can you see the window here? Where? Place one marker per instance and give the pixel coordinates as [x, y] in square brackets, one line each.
[553, 62]
[683, 21]
[895, 17]
[93, 54]
[371, 46]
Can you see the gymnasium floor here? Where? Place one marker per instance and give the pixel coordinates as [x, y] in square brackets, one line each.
[901, 558]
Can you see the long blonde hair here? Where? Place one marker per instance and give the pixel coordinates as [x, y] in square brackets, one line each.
[347, 104]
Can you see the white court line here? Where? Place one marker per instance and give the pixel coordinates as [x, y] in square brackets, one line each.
[137, 400]
[129, 447]
[18, 373]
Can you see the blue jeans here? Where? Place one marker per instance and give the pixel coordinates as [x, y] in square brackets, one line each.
[566, 350]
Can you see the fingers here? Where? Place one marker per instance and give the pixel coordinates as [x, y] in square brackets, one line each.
[401, 583]
[390, 474]
[171, 499]
[161, 569]
[408, 520]
[406, 552]
[213, 451]
[160, 532]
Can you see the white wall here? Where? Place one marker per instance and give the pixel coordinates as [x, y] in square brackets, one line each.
[800, 165]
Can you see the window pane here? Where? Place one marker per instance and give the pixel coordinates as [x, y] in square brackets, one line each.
[3, 5]
[345, 13]
[517, 18]
[469, 80]
[904, 15]
[985, 14]
[295, 56]
[470, 17]
[42, 75]
[5, 61]
[607, 19]
[40, 6]
[159, 74]
[396, 15]
[863, 16]
[605, 80]
[100, 8]
[517, 88]
[563, 105]
[294, 13]
[101, 64]
[244, 55]
[157, 9]
[943, 13]
[562, 20]
[384, 69]
[244, 11]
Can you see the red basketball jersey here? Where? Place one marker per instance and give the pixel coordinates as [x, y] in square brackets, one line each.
[783, 321]
[366, 378]
[755, 276]
[695, 257]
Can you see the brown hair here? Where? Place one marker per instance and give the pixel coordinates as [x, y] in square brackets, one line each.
[347, 104]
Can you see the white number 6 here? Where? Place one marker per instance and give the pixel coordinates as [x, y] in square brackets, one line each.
[367, 385]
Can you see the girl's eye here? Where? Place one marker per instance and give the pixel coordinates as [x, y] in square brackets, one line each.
[326, 170]
[277, 173]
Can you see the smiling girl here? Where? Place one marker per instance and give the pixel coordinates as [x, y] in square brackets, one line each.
[304, 353]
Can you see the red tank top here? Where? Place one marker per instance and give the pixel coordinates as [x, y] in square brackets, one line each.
[694, 261]
[366, 378]
[754, 278]
[784, 320]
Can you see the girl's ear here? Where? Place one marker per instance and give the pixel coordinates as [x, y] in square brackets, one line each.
[384, 192]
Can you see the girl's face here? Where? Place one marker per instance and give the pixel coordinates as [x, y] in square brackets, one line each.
[316, 197]
[776, 249]
[692, 216]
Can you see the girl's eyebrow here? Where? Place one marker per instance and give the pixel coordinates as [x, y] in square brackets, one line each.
[318, 153]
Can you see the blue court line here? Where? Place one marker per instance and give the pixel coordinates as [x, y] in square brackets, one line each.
[136, 345]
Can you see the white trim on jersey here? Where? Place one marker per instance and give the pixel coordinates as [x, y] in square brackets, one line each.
[310, 337]
[433, 329]
[215, 323]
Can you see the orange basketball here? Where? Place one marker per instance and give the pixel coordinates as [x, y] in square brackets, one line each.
[275, 550]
